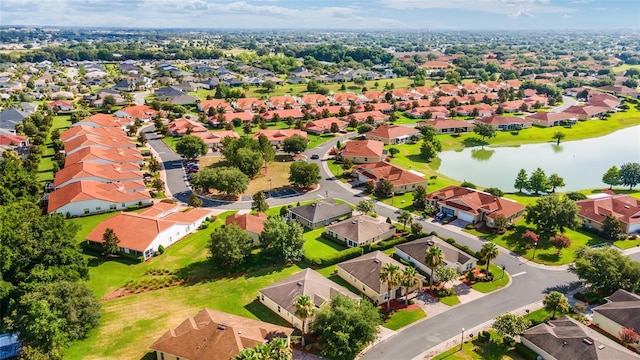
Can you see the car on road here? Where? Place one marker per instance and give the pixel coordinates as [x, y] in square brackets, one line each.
[192, 170]
[315, 157]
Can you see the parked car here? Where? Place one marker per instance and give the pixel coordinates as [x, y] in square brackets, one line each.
[192, 170]
[315, 157]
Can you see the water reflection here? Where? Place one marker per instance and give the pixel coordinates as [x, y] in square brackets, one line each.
[482, 154]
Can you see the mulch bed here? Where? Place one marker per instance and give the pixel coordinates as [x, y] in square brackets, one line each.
[398, 305]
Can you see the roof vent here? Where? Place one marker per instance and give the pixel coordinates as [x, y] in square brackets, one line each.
[299, 283]
[430, 242]
[564, 343]
[313, 205]
[627, 207]
[600, 346]
[587, 341]
[221, 327]
[354, 222]
[377, 261]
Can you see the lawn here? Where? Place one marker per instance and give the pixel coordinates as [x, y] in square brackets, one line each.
[317, 140]
[45, 167]
[409, 159]
[624, 67]
[475, 349]
[497, 283]
[403, 318]
[171, 141]
[450, 300]
[88, 223]
[315, 246]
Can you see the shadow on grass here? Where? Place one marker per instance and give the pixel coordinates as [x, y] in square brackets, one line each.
[263, 313]
[149, 356]
[330, 243]
[474, 141]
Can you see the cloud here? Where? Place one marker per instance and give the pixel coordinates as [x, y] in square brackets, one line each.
[566, 16]
[512, 8]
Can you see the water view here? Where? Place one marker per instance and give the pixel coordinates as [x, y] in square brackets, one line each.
[581, 163]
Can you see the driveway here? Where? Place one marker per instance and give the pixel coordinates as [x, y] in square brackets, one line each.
[567, 101]
[138, 96]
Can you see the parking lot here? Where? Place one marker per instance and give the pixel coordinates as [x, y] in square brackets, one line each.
[281, 193]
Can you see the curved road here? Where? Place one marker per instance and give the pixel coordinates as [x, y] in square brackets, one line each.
[528, 283]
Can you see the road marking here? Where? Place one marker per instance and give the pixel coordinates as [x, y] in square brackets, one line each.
[518, 274]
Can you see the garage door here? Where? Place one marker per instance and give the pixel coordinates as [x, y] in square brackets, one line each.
[448, 211]
[465, 216]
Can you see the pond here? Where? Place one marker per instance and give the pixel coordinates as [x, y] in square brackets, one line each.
[580, 163]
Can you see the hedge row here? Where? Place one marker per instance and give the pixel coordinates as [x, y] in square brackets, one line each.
[464, 248]
[335, 258]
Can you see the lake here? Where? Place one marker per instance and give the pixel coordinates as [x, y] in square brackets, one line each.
[580, 163]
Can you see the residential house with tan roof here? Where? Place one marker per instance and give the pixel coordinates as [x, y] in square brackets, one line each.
[324, 110]
[61, 105]
[446, 126]
[105, 156]
[363, 151]
[566, 338]
[344, 99]
[107, 173]
[449, 89]
[320, 213]
[141, 112]
[474, 206]
[622, 310]
[362, 117]
[467, 110]
[103, 142]
[402, 94]
[500, 122]
[248, 104]
[480, 97]
[220, 120]
[314, 100]
[361, 229]
[76, 131]
[252, 224]
[492, 86]
[446, 100]
[413, 253]
[182, 126]
[283, 114]
[625, 208]
[277, 137]
[586, 112]
[512, 106]
[549, 119]
[323, 126]
[392, 134]
[89, 197]
[424, 90]
[215, 335]
[437, 112]
[403, 180]
[104, 120]
[374, 95]
[471, 88]
[282, 102]
[363, 273]
[281, 296]
[532, 100]
[383, 107]
[142, 233]
[515, 84]
[214, 138]
[204, 105]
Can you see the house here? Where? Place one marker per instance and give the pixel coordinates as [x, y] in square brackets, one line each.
[104, 120]
[363, 151]
[363, 273]
[318, 214]
[105, 156]
[449, 89]
[373, 95]
[221, 119]
[281, 296]
[361, 229]
[500, 122]
[326, 111]
[142, 233]
[437, 112]
[549, 119]
[402, 94]
[625, 208]
[205, 105]
[141, 112]
[61, 105]
[13, 141]
[474, 206]
[283, 114]
[392, 134]
[88, 197]
[444, 126]
[214, 138]
[425, 90]
[383, 107]
[9, 118]
[403, 181]
[413, 252]
[586, 112]
[106, 173]
[215, 335]
[620, 90]
[622, 310]
[566, 338]
[282, 102]
[276, 137]
[250, 223]
[314, 100]
[184, 126]
[248, 104]
[104, 142]
[344, 99]
[77, 131]
[468, 110]
[323, 126]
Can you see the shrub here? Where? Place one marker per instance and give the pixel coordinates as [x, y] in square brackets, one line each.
[336, 258]
[469, 226]
[484, 336]
[433, 233]
[161, 249]
[527, 353]
[633, 237]
[509, 341]
[471, 276]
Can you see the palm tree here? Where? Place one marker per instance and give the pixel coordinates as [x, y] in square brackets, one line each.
[305, 308]
[390, 274]
[489, 251]
[555, 301]
[405, 218]
[280, 349]
[408, 279]
[433, 258]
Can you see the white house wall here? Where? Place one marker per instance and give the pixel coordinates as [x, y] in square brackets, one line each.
[94, 205]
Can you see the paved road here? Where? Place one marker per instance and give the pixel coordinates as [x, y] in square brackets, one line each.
[567, 101]
[138, 97]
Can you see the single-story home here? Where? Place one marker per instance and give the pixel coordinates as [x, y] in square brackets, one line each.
[215, 335]
[77, 131]
[103, 142]
[141, 112]
[322, 126]
[281, 102]
[281, 296]
[9, 118]
[413, 252]
[443, 126]
[61, 105]
[277, 137]
[296, 114]
[625, 208]
[474, 206]
[13, 141]
[467, 110]
[221, 119]
[586, 112]
[363, 151]
[363, 273]
[105, 156]
[361, 229]
[182, 126]
[106, 173]
[392, 134]
[403, 180]
[141, 234]
[362, 117]
[252, 224]
[104, 120]
[500, 122]
[214, 138]
[314, 100]
[622, 310]
[549, 119]
[217, 104]
[437, 112]
[318, 214]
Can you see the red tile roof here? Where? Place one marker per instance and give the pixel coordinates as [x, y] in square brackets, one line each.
[325, 124]
[474, 201]
[374, 95]
[140, 111]
[180, 126]
[314, 99]
[281, 101]
[625, 208]
[551, 117]
[345, 97]
[249, 103]
[117, 156]
[243, 115]
[448, 124]
[585, 110]
[294, 113]
[100, 141]
[383, 170]
[216, 103]
[362, 148]
[248, 222]
[392, 131]
[215, 137]
[502, 120]
[362, 117]
[104, 120]
[10, 139]
[435, 65]
[107, 172]
[279, 135]
[75, 131]
[60, 103]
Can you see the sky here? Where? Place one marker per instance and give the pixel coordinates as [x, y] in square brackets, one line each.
[327, 14]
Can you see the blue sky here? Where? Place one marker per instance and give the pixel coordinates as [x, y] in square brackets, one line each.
[327, 14]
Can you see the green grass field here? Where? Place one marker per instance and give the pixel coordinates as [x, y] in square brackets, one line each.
[498, 282]
[623, 67]
[45, 168]
[403, 318]
[476, 350]
[450, 300]
[315, 246]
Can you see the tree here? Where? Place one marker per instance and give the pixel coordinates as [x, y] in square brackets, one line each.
[259, 202]
[269, 86]
[157, 184]
[110, 241]
[612, 177]
[248, 161]
[446, 274]
[276, 349]
[606, 270]
[408, 279]
[334, 127]
[364, 128]
[511, 325]
[555, 181]
[345, 327]
[194, 200]
[191, 147]
[530, 237]
[433, 258]
[304, 174]
[405, 218]
[416, 228]
[484, 130]
[494, 191]
[552, 214]
[383, 188]
[281, 240]
[142, 138]
[229, 246]
[428, 150]
[500, 222]
[347, 164]
[390, 275]
[489, 252]
[630, 174]
[628, 336]
[305, 309]
[230, 181]
[419, 197]
[560, 241]
[393, 151]
[295, 144]
[522, 180]
[555, 301]
[41, 327]
[267, 150]
[558, 135]
[611, 227]
[366, 207]
[538, 181]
